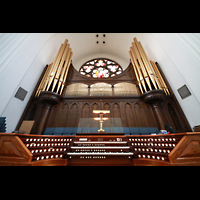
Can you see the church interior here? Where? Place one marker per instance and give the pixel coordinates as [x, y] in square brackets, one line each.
[99, 99]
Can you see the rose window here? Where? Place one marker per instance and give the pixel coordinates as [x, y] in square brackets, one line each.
[100, 68]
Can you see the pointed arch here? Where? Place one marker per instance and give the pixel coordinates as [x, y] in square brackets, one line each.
[116, 110]
[139, 115]
[85, 111]
[129, 115]
[95, 106]
[63, 115]
[73, 115]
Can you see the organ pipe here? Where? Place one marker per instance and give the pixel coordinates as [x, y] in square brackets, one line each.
[147, 73]
[163, 84]
[56, 72]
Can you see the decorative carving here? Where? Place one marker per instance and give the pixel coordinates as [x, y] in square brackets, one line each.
[49, 97]
[154, 97]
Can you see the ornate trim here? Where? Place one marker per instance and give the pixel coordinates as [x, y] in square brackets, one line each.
[49, 97]
[154, 97]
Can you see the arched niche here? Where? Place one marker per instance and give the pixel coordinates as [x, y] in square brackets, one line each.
[77, 89]
[125, 89]
[101, 89]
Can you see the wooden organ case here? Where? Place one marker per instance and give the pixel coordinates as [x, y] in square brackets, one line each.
[151, 104]
[140, 96]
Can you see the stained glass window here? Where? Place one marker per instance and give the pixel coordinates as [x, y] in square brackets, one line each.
[100, 68]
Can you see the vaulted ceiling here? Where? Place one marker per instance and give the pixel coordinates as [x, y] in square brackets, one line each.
[87, 46]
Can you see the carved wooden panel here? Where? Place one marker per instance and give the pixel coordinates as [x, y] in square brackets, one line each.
[62, 122]
[139, 115]
[95, 106]
[12, 149]
[187, 150]
[73, 121]
[151, 118]
[130, 121]
[86, 111]
[66, 111]
[116, 110]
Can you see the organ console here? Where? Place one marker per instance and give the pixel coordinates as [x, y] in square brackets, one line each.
[153, 105]
[100, 150]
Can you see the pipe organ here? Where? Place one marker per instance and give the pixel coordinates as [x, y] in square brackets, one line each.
[139, 100]
[56, 72]
[147, 73]
[139, 95]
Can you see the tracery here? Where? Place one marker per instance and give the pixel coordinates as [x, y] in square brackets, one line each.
[100, 68]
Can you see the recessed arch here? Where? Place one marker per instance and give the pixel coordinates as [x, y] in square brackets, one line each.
[125, 89]
[76, 89]
[101, 89]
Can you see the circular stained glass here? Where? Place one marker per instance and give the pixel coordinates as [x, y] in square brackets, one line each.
[100, 68]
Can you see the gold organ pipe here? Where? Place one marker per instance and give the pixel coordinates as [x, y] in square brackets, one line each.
[164, 86]
[137, 68]
[51, 73]
[66, 72]
[56, 72]
[158, 76]
[136, 73]
[56, 78]
[149, 71]
[150, 66]
[142, 66]
[44, 79]
[55, 67]
[64, 69]
[145, 69]
[159, 79]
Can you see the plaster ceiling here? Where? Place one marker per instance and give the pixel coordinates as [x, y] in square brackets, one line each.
[85, 46]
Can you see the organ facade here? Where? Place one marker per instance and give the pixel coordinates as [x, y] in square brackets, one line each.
[140, 95]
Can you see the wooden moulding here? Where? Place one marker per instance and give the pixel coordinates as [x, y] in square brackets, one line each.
[187, 151]
[13, 151]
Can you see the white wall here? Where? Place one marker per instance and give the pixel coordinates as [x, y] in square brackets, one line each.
[181, 66]
[21, 67]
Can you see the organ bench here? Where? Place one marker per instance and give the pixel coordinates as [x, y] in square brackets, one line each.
[100, 150]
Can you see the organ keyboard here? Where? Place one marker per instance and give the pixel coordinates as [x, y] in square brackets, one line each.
[100, 151]
[173, 149]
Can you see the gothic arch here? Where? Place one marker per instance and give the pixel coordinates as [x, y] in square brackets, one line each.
[116, 110]
[129, 115]
[95, 106]
[85, 111]
[65, 104]
[139, 115]
[63, 115]
[151, 118]
[106, 106]
[73, 115]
